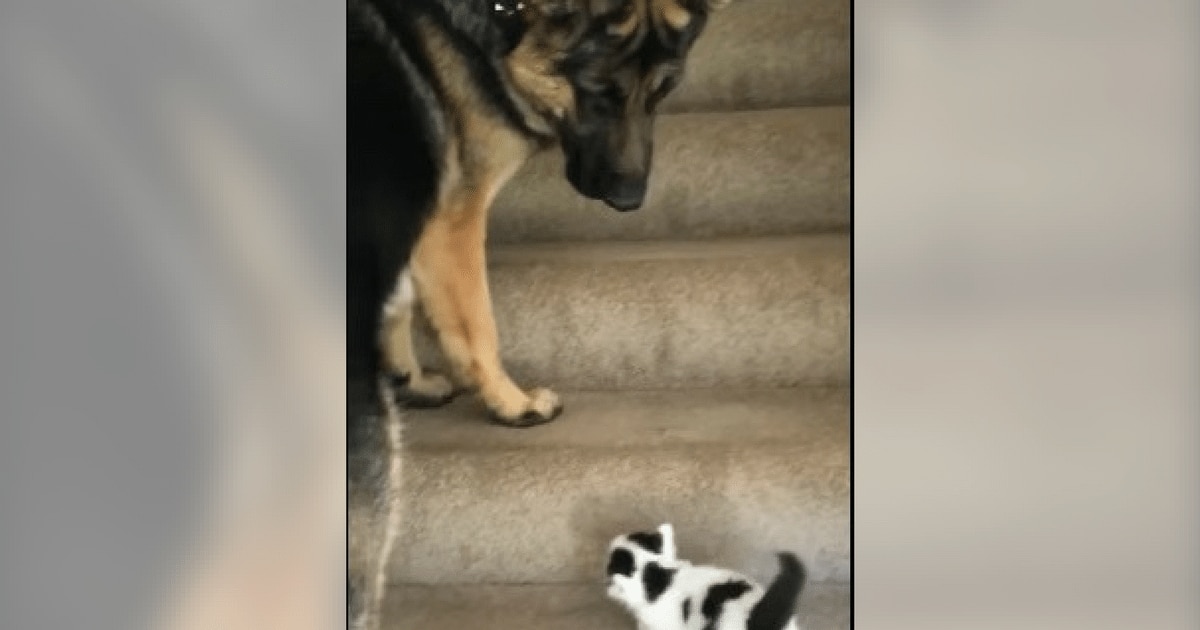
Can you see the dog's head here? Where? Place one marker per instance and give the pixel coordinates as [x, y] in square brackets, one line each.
[598, 69]
[640, 565]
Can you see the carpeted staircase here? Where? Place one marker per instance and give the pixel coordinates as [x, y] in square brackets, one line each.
[701, 345]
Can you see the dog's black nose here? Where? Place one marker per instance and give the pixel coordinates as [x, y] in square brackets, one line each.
[626, 194]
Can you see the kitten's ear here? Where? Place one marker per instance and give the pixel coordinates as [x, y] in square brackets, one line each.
[668, 537]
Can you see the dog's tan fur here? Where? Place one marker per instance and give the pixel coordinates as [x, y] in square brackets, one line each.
[448, 265]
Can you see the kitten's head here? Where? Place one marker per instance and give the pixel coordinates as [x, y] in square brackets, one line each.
[639, 566]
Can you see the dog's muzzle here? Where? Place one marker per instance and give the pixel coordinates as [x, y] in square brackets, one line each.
[626, 194]
[619, 191]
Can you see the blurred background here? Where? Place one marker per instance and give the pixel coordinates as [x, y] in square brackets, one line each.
[1027, 302]
[174, 244]
[1026, 314]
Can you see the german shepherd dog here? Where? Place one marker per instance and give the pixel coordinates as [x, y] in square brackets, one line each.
[446, 99]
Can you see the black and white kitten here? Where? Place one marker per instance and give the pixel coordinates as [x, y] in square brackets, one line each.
[663, 592]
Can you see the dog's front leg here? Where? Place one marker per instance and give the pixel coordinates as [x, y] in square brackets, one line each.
[449, 268]
[411, 384]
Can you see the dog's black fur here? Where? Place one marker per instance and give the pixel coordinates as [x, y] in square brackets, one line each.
[445, 99]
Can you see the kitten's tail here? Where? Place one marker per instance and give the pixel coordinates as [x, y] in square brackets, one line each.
[778, 604]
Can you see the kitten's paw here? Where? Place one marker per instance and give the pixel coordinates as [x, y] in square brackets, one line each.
[539, 407]
[423, 391]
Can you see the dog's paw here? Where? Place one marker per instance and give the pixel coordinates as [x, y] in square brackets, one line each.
[423, 391]
[539, 407]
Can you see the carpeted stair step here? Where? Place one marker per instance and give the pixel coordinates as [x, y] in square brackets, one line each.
[741, 474]
[779, 171]
[757, 54]
[760, 312]
[822, 606]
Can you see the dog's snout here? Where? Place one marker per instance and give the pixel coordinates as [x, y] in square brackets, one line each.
[619, 191]
[626, 193]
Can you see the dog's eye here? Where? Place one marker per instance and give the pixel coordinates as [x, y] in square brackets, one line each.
[624, 14]
[562, 22]
[663, 83]
[604, 105]
[665, 78]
